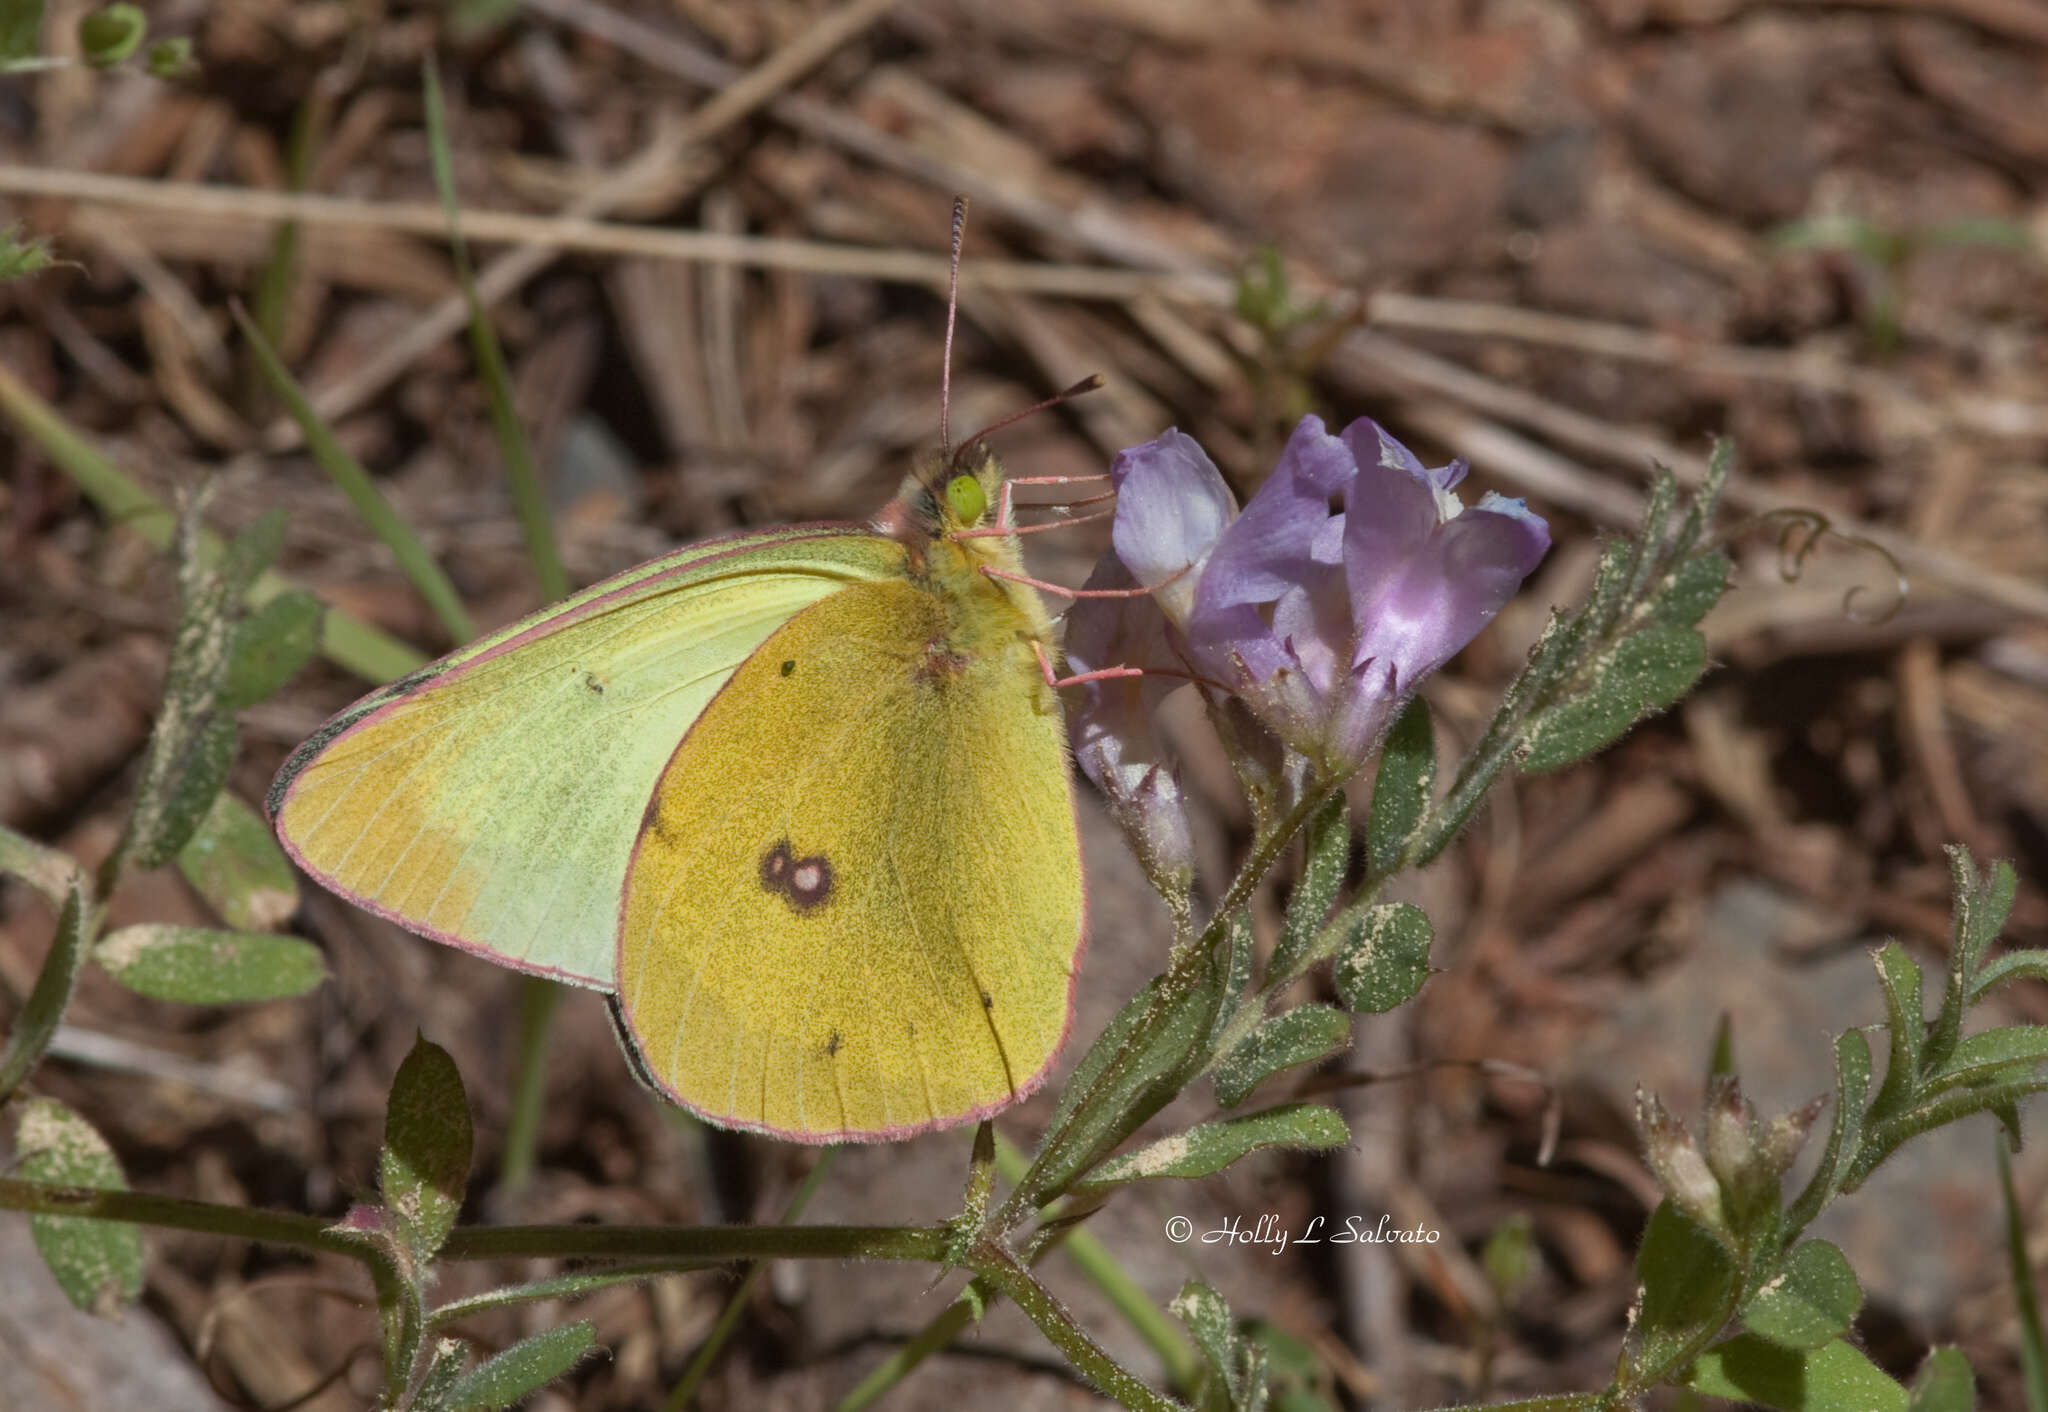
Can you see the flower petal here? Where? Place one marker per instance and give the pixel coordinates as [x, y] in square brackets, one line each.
[1421, 617]
[1286, 526]
[1172, 505]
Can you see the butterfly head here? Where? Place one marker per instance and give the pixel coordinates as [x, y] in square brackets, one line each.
[945, 494]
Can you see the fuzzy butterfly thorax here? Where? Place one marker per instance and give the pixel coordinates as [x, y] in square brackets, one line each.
[926, 519]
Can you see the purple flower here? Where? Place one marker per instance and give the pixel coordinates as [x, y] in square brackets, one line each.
[1353, 573]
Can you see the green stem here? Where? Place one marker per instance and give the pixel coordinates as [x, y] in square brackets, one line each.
[996, 1265]
[539, 998]
[285, 1228]
[651, 1246]
[1095, 1260]
[729, 1317]
[709, 1244]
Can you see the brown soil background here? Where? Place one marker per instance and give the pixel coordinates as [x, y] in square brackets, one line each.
[1557, 222]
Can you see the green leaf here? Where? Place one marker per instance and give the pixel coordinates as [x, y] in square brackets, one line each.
[249, 553]
[1207, 1315]
[1688, 1284]
[1695, 586]
[170, 58]
[1235, 955]
[1646, 672]
[109, 35]
[199, 966]
[1981, 1058]
[1328, 851]
[41, 1013]
[1981, 910]
[444, 1370]
[1831, 1378]
[98, 1264]
[19, 257]
[427, 1144]
[1899, 977]
[1208, 1148]
[1651, 534]
[2020, 966]
[1304, 1035]
[1945, 1384]
[1813, 1299]
[192, 744]
[21, 35]
[48, 872]
[205, 768]
[233, 861]
[1852, 1083]
[525, 1367]
[1299, 1380]
[1382, 956]
[271, 645]
[1882, 1138]
[1402, 789]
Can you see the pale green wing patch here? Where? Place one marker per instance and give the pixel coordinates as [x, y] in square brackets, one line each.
[491, 801]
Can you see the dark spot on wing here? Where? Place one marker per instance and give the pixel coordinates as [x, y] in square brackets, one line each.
[590, 680]
[832, 1045]
[988, 1002]
[789, 667]
[650, 820]
[804, 883]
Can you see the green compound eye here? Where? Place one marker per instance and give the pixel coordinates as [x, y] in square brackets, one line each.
[965, 496]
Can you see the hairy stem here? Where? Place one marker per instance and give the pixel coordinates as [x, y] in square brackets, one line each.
[996, 1265]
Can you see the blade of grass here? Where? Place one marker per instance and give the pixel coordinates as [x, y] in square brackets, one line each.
[538, 1000]
[345, 640]
[700, 1365]
[2033, 1347]
[942, 1330]
[522, 478]
[354, 482]
[281, 270]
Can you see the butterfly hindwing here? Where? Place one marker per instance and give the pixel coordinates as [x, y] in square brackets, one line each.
[855, 907]
[492, 799]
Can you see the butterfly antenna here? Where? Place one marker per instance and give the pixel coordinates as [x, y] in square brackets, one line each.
[952, 316]
[1085, 385]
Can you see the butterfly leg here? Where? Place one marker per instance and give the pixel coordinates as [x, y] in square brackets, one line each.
[1055, 680]
[1135, 591]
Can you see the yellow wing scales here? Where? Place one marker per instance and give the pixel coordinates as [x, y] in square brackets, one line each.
[836, 923]
[493, 804]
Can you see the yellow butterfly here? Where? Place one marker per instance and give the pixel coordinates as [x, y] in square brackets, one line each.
[797, 798]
